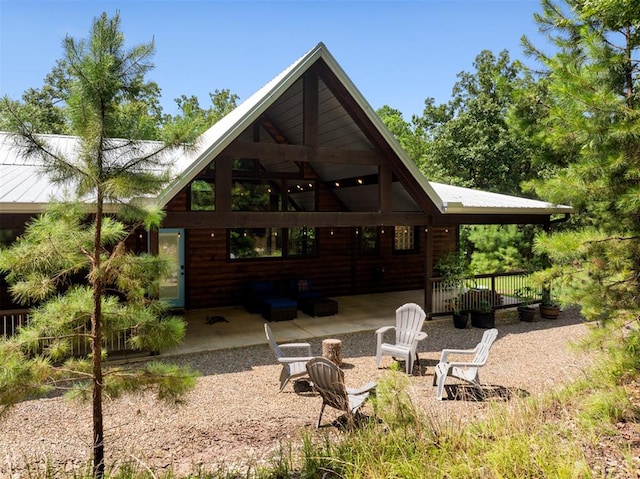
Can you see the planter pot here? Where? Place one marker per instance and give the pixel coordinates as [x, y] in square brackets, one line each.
[526, 313]
[483, 320]
[549, 311]
[460, 320]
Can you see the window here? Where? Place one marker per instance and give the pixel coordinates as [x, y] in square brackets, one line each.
[404, 238]
[255, 243]
[271, 242]
[244, 164]
[368, 239]
[301, 196]
[301, 241]
[254, 196]
[203, 196]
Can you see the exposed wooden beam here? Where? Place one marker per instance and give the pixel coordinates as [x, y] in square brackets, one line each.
[265, 219]
[223, 185]
[385, 185]
[299, 153]
[276, 133]
[310, 109]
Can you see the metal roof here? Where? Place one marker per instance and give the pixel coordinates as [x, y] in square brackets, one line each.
[459, 200]
[23, 189]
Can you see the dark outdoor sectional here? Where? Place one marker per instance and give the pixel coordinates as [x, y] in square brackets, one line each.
[280, 300]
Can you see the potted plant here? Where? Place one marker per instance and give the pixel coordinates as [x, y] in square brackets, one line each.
[483, 316]
[549, 308]
[454, 270]
[460, 317]
[526, 312]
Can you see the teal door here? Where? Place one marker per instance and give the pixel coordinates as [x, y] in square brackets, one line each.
[171, 244]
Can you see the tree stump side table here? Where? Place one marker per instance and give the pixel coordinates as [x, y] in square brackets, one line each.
[332, 350]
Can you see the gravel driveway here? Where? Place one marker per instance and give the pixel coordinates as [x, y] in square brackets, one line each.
[236, 416]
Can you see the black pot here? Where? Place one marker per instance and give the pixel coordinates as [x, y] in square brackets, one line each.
[483, 320]
[460, 320]
[526, 313]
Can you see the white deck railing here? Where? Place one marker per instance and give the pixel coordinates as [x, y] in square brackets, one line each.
[501, 290]
[11, 320]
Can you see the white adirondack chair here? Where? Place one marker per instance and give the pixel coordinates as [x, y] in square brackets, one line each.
[464, 370]
[409, 320]
[292, 366]
[328, 381]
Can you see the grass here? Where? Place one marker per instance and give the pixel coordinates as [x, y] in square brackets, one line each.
[549, 437]
[520, 441]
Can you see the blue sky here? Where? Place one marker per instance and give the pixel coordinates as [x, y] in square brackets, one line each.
[397, 53]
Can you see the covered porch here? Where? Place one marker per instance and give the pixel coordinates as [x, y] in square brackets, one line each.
[234, 327]
[227, 327]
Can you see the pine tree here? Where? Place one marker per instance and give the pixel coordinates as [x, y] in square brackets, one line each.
[66, 242]
[590, 128]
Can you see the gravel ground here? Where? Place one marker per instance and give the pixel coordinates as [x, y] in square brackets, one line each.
[236, 416]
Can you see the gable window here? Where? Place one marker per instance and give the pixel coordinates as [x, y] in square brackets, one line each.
[368, 239]
[404, 239]
[244, 164]
[203, 197]
[250, 195]
[301, 196]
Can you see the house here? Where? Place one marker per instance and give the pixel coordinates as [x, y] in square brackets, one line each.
[300, 181]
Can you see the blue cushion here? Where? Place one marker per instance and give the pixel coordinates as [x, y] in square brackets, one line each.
[309, 294]
[280, 302]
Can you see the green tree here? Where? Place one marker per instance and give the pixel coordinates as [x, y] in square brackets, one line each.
[414, 142]
[469, 137]
[197, 118]
[502, 248]
[64, 243]
[590, 122]
[138, 109]
[44, 107]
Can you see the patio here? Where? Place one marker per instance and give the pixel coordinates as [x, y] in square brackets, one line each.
[234, 327]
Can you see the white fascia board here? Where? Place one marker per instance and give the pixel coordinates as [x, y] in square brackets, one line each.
[496, 210]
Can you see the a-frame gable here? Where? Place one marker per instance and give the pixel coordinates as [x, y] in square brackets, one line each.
[312, 113]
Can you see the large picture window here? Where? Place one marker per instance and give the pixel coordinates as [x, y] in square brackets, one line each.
[255, 243]
[245, 243]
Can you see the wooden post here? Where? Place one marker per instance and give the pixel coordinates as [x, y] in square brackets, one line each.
[332, 350]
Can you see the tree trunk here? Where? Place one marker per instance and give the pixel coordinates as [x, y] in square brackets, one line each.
[332, 350]
[96, 348]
